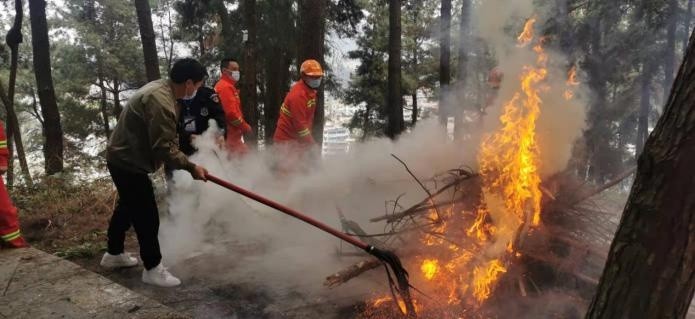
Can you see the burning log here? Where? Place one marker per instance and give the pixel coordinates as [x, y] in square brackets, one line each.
[350, 272]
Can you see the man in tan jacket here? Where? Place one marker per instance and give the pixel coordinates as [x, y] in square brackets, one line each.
[144, 139]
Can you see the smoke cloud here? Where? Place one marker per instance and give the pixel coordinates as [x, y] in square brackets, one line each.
[227, 237]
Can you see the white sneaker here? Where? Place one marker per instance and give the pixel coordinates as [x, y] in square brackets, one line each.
[118, 261]
[159, 276]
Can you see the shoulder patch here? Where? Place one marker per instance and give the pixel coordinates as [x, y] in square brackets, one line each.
[215, 98]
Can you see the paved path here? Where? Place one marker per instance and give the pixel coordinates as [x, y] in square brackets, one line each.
[35, 284]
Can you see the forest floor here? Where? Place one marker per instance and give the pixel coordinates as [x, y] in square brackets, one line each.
[70, 221]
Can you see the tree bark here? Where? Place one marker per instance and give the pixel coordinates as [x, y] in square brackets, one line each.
[645, 107]
[276, 82]
[149, 44]
[52, 128]
[394, 102]
[650, 271]
[444, 60]
[103, 106]
[670, 51]
[312, 30]
[686, 24]
[13, 39]
[250, 92]
[462, 66]
[117, 108]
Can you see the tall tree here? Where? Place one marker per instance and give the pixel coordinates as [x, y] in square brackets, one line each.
[462, 65]
[250, 91]
[13, 39]
[394, 102]
[444, 59]
[312, 30]
[278, 53]
[670, 50]
[686, 23]
[645, 106]
[52, 128]
[650, 271]
[149, 44]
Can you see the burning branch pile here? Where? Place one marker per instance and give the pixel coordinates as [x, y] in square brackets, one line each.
[480, 239]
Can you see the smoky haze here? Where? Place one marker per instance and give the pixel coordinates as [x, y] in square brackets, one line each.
[230, 238]
[244, 240]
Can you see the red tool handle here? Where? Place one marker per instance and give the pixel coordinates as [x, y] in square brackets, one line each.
[289, 211]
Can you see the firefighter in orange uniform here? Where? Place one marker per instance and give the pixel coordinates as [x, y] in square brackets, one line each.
[9, 224]
[231, 103]
[296, 118]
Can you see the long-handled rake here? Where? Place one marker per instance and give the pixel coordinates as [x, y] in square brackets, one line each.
[399, 288]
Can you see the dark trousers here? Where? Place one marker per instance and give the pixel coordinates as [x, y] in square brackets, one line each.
[137, 207]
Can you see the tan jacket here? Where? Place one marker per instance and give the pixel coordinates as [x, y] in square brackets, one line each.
[145, 136]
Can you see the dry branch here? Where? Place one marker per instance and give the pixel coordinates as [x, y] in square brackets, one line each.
[352, 271]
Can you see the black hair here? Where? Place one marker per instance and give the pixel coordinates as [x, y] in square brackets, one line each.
[187, 69]
[225, 62]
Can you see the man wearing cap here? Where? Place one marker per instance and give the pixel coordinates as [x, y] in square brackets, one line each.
[296, 118]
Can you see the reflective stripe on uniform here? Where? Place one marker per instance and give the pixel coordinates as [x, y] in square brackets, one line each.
[311, 103]
[284, 110]
[303, 132]
[3, 143]
[236, 122]
[12, 236]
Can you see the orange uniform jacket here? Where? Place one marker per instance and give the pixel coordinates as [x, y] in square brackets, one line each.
[297, 115]
[9, 225]
[231, 103]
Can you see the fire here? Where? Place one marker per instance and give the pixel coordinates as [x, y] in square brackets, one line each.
[476, 251]
[484, 277]
[526, 36]
[388, 300]
[429, 268]
[571, 82]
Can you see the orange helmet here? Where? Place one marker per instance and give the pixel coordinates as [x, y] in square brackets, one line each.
[311, 68]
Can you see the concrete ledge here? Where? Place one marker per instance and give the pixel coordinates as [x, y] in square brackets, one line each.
[35, 284]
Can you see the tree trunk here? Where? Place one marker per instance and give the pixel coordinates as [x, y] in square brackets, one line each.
[462, 67]
[117, 108]
[13, 39]
[413, 119]
[444, 60]
[52, 129]
[276, 82]
[645, 107]
[686, 24]
[670, 51]
[103, 106]
[312, 30]
[650, 271]
[394, 102]
[149, 44]
[250, 92]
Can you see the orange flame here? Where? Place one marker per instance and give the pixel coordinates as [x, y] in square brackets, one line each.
[511, 198]
[484, 277]
[571, 81]
[429, 268]
[526, 36]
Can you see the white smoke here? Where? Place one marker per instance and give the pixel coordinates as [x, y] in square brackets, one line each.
[244, 239]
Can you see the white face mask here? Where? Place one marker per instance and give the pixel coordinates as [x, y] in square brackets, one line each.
[235, 75]
[313, 83]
